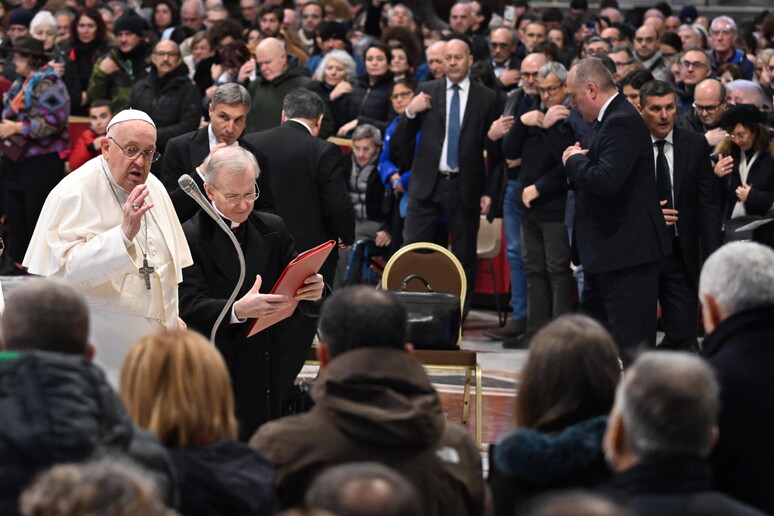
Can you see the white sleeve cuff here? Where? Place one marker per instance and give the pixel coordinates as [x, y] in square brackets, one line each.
[234, 318]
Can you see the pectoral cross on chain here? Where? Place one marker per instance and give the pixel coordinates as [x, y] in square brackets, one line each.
[146, 271]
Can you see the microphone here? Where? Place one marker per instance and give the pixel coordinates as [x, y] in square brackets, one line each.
[189, 186]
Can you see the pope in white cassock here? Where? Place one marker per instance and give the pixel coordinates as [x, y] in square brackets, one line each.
[110, 228]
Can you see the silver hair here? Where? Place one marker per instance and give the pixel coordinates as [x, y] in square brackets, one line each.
[364, 131]
[392, 9]
[629, 52]
[196, 3]
[65, 12]
[217, 9]
[342, 57]
[669, 404]
[591, 69]
[724, 19]
[739, 276]
[555, 68]
[441, 42]
[231, 93]
[691, 28]
[749, 88]
[231, 160]
[43, 18]
[511, 33]
[106, 10]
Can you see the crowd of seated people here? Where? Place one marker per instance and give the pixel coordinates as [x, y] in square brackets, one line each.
[630, 153]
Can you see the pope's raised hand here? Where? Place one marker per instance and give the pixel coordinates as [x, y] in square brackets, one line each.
[134, 209]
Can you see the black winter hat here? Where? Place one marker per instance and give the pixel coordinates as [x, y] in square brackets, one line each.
[20, 16]
[742, 114]
[132, 22]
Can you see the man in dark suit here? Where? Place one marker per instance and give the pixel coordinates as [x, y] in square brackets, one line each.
[448, 174]
[185, 153]
[207, 284]
[310, 194]
[620, 232]
[691, 200]
[504, 63]
[736, 289]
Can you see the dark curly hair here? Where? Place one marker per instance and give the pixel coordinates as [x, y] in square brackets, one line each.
[94, 15]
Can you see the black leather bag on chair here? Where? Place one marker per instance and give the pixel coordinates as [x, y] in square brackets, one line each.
[434, 318]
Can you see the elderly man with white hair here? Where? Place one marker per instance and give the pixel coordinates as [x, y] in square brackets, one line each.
[111, 229]
[736, 290]
[661, 431]
[723, 34]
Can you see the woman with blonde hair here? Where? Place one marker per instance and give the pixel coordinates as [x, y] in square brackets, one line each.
[566, 389]
[175, 384]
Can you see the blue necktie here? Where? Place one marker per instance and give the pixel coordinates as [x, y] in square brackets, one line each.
[453, 133]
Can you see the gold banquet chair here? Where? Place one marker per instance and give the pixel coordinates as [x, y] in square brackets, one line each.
[444, 273]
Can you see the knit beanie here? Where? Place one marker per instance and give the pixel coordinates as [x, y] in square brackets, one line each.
[20, 16]
[131, 22]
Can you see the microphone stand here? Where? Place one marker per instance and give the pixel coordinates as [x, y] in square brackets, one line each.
[188, 185]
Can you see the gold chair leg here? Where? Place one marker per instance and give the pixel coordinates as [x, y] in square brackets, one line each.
[466, 398]
[479, 407]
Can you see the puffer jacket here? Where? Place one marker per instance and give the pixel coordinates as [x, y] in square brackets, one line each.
[226, 478]
[527, 463]
[173, 102]
[377, 404]
[57, 408]
[370, 103]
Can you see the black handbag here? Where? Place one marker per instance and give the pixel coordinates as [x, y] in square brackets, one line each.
[434, 318]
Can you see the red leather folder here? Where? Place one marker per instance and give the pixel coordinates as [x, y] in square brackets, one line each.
[303, 266]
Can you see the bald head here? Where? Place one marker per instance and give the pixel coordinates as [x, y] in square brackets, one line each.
[458, 60]
[646, 42]
[435, 59]
[591, 85]
[461, 17]
[365, 488]
[529, 70]
[272, 45]
[166, 57]
[710, 100]
[271, 57]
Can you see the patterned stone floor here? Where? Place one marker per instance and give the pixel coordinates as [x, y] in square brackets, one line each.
[499, 367]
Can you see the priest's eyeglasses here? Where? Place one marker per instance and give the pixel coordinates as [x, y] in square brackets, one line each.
[236, 199]
[131, 152]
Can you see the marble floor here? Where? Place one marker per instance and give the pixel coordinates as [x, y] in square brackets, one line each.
[499, 367]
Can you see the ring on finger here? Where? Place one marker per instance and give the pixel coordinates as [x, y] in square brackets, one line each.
[135, 207]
